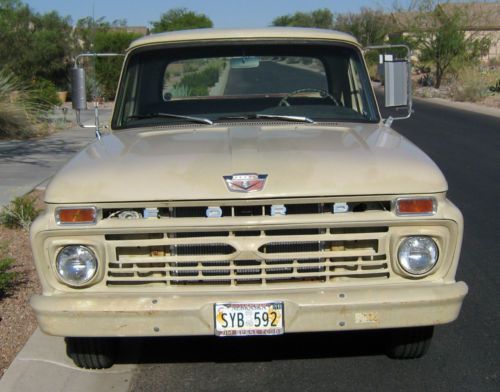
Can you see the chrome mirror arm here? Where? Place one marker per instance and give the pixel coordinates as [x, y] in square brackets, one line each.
[79, 91]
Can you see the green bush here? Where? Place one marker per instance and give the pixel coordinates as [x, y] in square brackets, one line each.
[181, 19]
[198, 83]
[34, 45]
[7, 278]
[45, 94]
[108, 69]
[20, 213]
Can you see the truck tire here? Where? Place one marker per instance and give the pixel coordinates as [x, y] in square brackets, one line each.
[409, 343]
[91, 353]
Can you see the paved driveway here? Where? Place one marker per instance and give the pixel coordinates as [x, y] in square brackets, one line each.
[26, 163]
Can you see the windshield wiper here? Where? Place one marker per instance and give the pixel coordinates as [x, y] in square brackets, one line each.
[199, 120]
[257, 116]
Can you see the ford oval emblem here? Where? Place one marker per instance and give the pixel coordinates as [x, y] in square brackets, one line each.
[245, 182]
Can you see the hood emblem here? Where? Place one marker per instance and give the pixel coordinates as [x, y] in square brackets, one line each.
[245, 182]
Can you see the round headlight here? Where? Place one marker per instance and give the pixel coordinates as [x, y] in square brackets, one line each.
[76, 264]
[418, 255]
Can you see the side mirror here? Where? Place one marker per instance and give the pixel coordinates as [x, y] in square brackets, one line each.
[79, 96]
[395, 75]
[78, 90]
[396, 83]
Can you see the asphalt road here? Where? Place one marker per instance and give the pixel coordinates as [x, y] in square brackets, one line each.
[464, 355]
[283, 77]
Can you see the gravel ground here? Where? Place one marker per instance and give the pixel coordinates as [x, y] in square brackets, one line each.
[17, 320]
[492, 100]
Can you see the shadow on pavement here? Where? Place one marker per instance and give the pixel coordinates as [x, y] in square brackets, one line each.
[250, 349]
[30, 151]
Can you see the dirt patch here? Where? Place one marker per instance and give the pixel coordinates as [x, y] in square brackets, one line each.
[17, 320]
[492, 101]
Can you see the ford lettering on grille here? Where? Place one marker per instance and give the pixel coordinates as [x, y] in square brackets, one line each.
[245, 182]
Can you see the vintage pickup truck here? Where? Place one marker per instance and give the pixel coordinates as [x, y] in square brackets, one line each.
[247, 186]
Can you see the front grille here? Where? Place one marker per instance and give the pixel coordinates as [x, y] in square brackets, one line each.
[241, 258]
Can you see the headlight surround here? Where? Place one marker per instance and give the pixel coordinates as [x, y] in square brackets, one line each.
[417, 255]
[76, 265]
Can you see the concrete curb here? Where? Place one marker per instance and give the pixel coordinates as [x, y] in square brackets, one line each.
[220, 86]
[42, 365]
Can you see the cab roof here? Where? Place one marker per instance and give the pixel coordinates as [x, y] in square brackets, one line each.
[290, 33]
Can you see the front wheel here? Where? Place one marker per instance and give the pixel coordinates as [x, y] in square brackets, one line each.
[409, 343]
[91, 353]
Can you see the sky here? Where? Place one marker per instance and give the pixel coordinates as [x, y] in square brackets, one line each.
[223, 13]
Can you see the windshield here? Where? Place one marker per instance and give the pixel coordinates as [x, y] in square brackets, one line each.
[305, 83]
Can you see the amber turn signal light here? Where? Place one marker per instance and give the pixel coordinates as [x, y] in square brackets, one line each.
[68, 216]
[416, 206]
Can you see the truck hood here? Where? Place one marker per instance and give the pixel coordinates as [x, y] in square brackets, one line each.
[299, 160]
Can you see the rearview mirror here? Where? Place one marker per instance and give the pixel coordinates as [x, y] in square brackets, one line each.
[244, 62]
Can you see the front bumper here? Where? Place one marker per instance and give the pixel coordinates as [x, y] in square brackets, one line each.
[335, 309]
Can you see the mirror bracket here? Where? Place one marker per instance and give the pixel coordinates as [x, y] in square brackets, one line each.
[388, 121]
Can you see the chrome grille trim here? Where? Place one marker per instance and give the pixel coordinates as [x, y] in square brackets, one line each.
[239, 208]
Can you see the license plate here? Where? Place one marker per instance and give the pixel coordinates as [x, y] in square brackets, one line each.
[250, 318]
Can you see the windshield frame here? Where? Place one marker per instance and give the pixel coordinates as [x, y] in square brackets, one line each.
[218, 48]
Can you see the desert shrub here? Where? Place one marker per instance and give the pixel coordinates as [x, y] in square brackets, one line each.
[7, 277]
[373, 72]
[198, 83]
[192, 66]
[108, 69]
[495, 88]
[180, 91]
[181, 19]
[45, 94]
[20, 213]
[34, 45]
[18, 111]
[471, 85]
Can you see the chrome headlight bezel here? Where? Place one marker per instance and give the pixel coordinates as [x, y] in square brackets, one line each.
[426, 246]
[70, 255]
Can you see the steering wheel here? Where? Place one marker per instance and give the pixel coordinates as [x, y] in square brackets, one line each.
[323, 93]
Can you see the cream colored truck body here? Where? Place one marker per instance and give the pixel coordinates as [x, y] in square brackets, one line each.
[354, 282]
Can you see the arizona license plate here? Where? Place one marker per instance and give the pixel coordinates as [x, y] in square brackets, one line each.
[249, 318]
